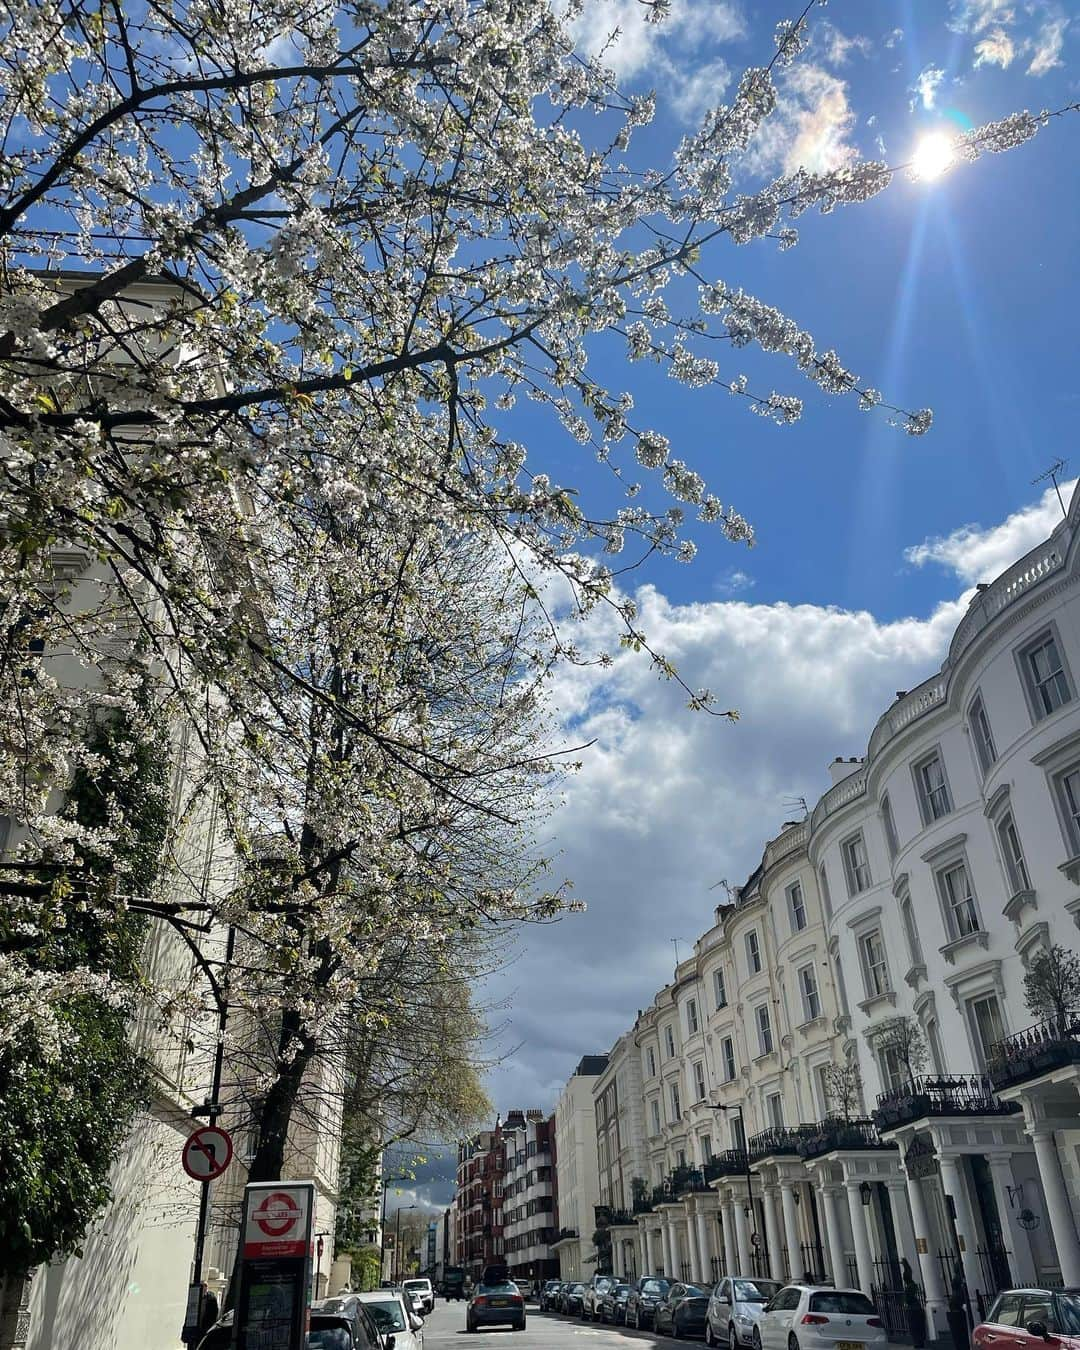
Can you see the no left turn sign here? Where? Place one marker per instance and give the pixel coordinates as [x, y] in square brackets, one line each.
[207, 1153]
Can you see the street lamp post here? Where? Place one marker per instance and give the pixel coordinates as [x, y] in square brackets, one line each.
[397, 1242]
[746, 1155]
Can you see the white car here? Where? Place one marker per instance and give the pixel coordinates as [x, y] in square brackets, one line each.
[735, 1305]
[810, 1317]
[422, 1286]
[389, 1311]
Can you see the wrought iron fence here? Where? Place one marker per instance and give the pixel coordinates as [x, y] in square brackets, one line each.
[852, 1267]
[759, 1267]
[951, 1094]
[685, 1272]
[812, 1259]
[716, 1265]
[1048, 1044]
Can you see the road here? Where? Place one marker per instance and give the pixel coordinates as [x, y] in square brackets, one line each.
[445, 1330]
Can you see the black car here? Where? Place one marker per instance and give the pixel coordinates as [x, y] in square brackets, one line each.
[641, 1303]
[683, 1311]
[336, 1324]
[613, 1304]
[573, 1299]
[549, 1294]
[500, 1303]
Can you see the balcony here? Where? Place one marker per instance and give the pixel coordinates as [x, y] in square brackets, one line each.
[779, 1141]
[926, 1095]
[1053, 1044]
[849, 1135]
[643, 1204]
[731, 1163]
[686, 1180]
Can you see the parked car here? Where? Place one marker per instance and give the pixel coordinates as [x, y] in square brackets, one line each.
[388, 1310]
[549, 1294]
[595, 1289]
[613, 1304]
[422, 1286]
[734, 1307]
[643, 1298]
[1023, 1319]
[498, 1304]
[810, 1317]
[335, 1324]
[572, 1298]
[682, 1310]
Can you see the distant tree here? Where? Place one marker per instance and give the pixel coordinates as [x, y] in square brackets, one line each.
[843, 1091]
[1052, 984]
[904, 1036]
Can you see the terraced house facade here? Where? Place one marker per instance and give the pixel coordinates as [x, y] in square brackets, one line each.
[845, 1075]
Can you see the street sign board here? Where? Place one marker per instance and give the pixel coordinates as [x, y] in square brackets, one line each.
[275, 1268]
[207, 1153]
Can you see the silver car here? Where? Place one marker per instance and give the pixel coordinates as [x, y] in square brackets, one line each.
[734, 1308]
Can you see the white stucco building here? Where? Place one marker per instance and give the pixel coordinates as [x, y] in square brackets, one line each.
[578, 1171]
[919, 888]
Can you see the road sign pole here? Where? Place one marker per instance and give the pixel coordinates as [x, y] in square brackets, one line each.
[190, 1332]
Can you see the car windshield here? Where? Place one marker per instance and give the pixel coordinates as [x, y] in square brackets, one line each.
[503, 1287]
[655, 1287]
[692, 1291]
[621, 1289]
[839, 1301]
[1068, 1306]
[755, 1291]
[577, 1288]
[388, 1314]
[422, 1285]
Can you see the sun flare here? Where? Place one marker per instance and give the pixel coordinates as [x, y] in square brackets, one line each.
[933, 155]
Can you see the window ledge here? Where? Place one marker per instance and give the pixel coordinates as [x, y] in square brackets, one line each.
[915, 975]
[888, 998]
[1073, 908]
[1071, 868]
[1014, 907]
[952, 949]
[765, 1057]
[807, 1027]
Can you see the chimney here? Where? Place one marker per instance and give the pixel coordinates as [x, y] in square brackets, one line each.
[842, 768]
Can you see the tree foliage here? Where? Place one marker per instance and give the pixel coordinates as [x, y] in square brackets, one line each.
[904, 1036]
[1052, 984]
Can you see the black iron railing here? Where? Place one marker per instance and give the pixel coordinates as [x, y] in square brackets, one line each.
[812, 1259]
[643, 1204]
[730, 1163]
[828, 1135]
[954, 1094]
[619, 1217]
[779, 1140]
[1036, 1050]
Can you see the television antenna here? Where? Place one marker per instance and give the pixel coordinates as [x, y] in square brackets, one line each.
[789, 803]
[1052, 473]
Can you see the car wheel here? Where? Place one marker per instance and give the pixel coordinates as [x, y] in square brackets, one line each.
[469, 1326]
[792, 1342]
[756, 1338]
[708, 1333]
[733, 1340]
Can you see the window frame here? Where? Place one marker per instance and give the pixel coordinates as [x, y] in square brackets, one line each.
[675, 1101]
[869, 967]
[650, 1059]
[701, 1089]
[796, 903]
[1032, 687]
[669, 1041]
[982, 733]
[720, 988]
[753, 952]
[765, 1039]
[654, 1114]
[982, 1051]
[1069, 815]
[775, 1117]
[693, 1025]
[852, 867]
[727, 1054]
[888, 825]
[949, 906]
[809, 1014]
[925, 793]
[1013, 861]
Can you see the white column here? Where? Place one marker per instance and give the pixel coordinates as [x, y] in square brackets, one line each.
[1058, 1208]
[834, 1235]
[791, 1229]
[955, 1184]
[742, 1239]
[643, 1250]
[901, 1217]
[656, 1249]
[692, 1243]
[669, 1259]
[863, 1261]
[731, 1250]
[1012, 1235]
[772, 1233]
[704, 1246]
[933, 1285]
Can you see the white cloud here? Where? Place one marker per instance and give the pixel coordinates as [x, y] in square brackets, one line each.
[692, 96]
[926, 86]
[836, 47]
[1047, 46]
[897, 35]
[978, 554]
[668, 802]
[974, 16]
[809, 126]
[733, 582]
[996, 49]
[639, 46]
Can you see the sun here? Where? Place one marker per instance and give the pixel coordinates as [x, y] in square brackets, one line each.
[933, 155]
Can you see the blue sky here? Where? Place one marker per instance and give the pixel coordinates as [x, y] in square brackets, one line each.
[959, 294]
